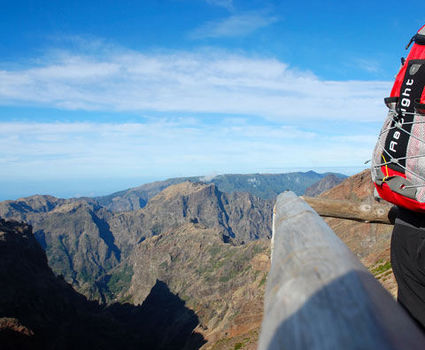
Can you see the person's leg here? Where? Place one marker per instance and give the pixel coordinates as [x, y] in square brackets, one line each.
[408, 262]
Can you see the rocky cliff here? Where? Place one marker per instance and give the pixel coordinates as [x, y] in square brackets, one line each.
[74, 234]
[222, 283]
[205, 246]
[39, 310]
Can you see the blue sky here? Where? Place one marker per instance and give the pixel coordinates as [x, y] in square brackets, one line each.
[97, 96]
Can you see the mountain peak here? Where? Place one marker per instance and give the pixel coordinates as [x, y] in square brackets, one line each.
[323, 185]
[69, 206]
[357, 187]
[182, 189]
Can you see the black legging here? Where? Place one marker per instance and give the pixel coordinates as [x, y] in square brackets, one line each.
[408, 262]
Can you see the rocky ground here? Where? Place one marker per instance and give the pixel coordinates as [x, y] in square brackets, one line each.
[223, 284]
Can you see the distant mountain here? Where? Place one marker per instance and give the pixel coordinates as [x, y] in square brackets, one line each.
[326, 183]
[266, 186]
[137, 197]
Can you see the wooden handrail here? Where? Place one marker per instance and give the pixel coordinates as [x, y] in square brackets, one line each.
[358, 211]
[319, 295]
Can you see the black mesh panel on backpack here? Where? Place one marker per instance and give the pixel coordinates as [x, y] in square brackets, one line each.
[397, 140]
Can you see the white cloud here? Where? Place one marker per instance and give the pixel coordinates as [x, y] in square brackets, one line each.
[233, 26]
[208, 178]
[167, 147]
[208, 81]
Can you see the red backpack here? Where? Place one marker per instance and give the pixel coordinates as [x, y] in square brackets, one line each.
[398, 162]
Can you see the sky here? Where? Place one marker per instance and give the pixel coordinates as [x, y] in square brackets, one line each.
[99, 96]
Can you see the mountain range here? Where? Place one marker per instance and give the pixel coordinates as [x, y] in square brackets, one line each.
[187, 243]
[265, 186]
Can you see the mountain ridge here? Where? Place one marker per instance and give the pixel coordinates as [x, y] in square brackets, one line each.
[265, 186]
[84, 240]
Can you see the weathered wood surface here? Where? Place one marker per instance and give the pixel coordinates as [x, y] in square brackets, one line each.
[377, 213]
[319, 295]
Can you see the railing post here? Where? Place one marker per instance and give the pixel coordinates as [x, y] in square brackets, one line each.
[319, 295]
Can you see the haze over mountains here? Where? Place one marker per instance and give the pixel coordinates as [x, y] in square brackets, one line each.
[188, 244]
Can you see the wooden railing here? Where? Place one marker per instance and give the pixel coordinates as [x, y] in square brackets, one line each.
[352, 210]
[319, 295]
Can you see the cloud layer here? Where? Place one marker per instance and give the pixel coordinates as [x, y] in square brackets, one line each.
[209, 81]
[167, 147]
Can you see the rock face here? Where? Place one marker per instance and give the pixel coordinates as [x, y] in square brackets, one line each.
[242, 216]
[223, 284]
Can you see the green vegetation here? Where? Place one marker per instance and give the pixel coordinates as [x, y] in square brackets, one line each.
[85, 276]
[156, 229]
[228, 277]
[240, 345]
[257, 249]
[120, 280]
[126, 299]
[219, 343]
[230, 262]
[263, 280]
[214, 250]
[381, 267]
